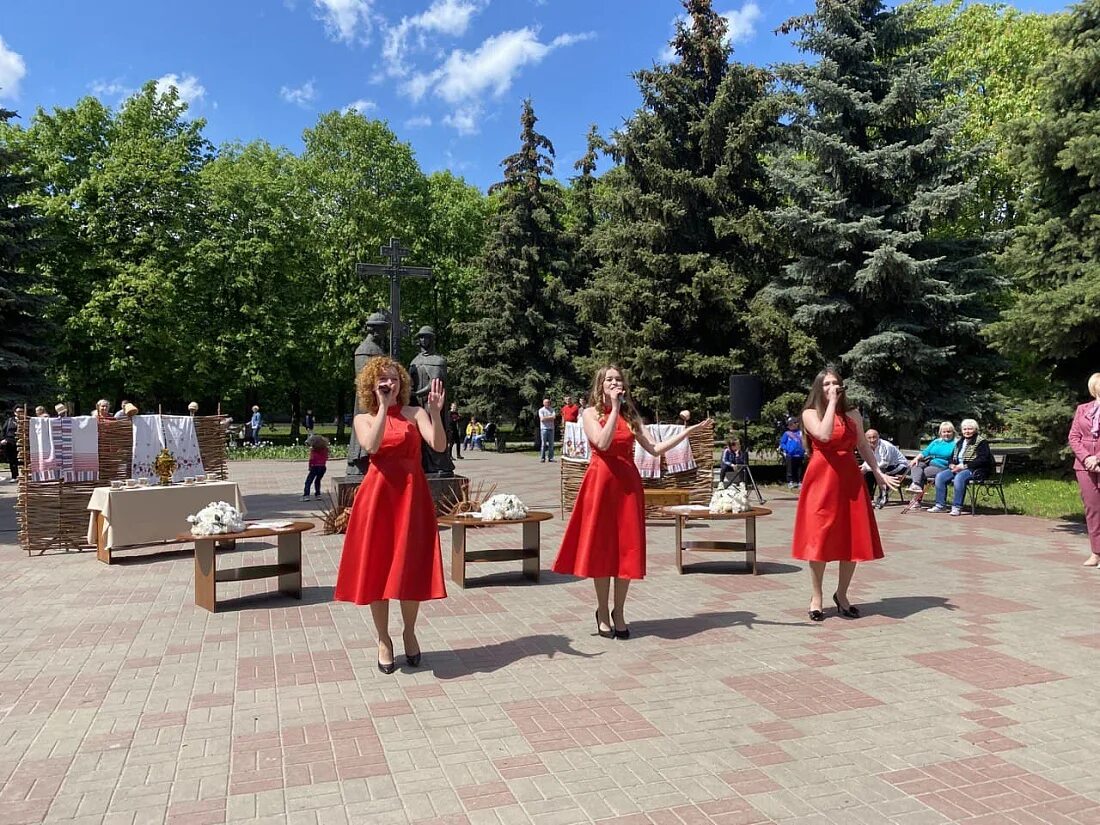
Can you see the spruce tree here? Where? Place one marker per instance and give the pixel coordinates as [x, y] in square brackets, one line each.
[870, 175]
[24, 338]
[684, 247]
[1054, 260]
[520, 343]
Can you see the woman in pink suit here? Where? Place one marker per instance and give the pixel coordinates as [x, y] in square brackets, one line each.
[1084, 440]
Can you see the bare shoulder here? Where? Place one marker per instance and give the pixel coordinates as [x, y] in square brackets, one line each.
[856, 419]
[411, 413]
[590, 414]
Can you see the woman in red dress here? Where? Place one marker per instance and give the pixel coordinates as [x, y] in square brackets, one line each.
[605, 538]
[391, 550]
[834, 521]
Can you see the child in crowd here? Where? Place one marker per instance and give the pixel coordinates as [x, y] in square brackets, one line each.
[318, 463]
[793, 451]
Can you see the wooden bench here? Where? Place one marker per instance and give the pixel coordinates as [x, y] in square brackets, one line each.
[288, 566]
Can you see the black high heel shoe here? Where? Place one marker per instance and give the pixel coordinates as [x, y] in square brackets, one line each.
[387, 669]
[817, 616]
[619, 634]
[606, 634]
[413, 659]
[851, 612]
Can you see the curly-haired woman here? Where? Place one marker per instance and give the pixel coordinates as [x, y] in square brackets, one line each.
[391, 550]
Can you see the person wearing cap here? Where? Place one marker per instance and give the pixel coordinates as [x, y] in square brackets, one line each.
[61, 410]
[129, 410]
[793, 451]
[193, 408]
[120, 413]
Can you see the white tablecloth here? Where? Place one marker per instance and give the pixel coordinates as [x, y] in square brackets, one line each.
[144, 515]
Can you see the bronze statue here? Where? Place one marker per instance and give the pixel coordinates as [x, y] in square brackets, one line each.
[370, 347]
[429, 364]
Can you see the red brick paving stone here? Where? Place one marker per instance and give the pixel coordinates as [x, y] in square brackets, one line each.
[988, 786]
[989, 718]
[970, 565]
[749, 781]
[181, 650]
[211, 700]
[1091, 640]
[992, 741]
[799, 693]
[765, 754]
[988, 605]
[146, 661]
[200, 812]
[424, 691]
[517, 767]
[815, 660]
[986, 669]
[777, 731]
[162, 720]
[294, 669]
[488, 795]
[577, 721]
[986, 699]
[469, 606]
[397, 708]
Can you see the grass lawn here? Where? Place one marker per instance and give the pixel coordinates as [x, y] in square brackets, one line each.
[1043, 496]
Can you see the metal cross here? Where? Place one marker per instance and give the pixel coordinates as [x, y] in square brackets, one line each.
[394, 253]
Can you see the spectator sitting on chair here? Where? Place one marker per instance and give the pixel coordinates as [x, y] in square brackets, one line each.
[971, 459]
[734, 460]
[891, 462]
[793, 451]
[932, 460]
[475, 434]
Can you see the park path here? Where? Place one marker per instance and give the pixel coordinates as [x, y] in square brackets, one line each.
[963, 695]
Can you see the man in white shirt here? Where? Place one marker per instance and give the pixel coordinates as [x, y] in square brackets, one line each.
[891, 461]
[547, 415]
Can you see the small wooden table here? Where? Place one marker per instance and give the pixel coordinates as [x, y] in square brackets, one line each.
[528, 553]
[684, 514]
[288, 567]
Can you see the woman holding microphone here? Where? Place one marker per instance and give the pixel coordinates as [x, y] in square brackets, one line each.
[391, 549]
[605, 537]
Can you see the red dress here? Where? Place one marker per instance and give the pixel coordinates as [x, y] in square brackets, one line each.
[606, 532]
[391, 549]
[834, 521]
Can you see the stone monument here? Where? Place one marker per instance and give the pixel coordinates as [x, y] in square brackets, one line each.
[426, 366]
[370, 347]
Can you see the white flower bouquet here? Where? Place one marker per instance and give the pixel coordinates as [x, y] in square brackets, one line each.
[216, 518]
[734, 499]
[502, 507]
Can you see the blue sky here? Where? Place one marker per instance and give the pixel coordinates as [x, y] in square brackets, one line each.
[448, 75]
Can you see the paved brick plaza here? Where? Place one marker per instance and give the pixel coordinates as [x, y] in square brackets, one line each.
[965, 694]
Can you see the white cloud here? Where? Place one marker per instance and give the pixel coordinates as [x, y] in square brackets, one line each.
[742, 22]
[12, 70]
[346, 20]
[115, 88]
[419, 122]
[188, 87]
[361, 106]
[301, 96]
[446, 17]
[464, 119]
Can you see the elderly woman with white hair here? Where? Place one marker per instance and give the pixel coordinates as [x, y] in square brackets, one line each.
[971, 460]
[1084, 441]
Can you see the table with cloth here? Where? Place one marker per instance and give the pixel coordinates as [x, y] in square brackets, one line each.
[145, 515]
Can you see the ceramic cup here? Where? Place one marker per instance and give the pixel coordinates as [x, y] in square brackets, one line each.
[116, 485]
[189, 480]
[200, 478]
[130, 483]
[143, 481]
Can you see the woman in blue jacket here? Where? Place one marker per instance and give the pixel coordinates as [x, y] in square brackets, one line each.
[793, 451]
[932, 460]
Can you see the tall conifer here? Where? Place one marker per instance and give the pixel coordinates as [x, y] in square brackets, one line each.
[684, 251]
[521, 339]
[871, 173]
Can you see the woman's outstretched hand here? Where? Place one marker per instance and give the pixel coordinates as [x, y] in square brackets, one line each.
[436, 395]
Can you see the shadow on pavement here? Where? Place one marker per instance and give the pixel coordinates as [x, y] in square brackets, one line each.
[454, 664]
[685, 626]
[311, 595]
[902, 607]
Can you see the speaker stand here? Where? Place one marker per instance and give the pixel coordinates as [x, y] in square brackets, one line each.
[748, 470]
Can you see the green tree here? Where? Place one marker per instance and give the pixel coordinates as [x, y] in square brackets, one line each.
[870, 175]
[989, 56]
[519, 343]
[364, 186]
[685, 247]
[1050, 328]
[24, 335]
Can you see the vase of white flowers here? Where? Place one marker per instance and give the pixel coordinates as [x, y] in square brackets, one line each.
[502, 507]
[216, 518]
[730, 500]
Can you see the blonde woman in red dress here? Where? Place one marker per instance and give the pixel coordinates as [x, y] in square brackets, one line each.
[391, 549]
[835, 521]
[605, 537]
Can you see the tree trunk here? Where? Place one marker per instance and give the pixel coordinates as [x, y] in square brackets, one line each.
[295, 412]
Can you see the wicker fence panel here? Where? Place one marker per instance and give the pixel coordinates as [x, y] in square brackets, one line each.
[698, 482]
[53, 515]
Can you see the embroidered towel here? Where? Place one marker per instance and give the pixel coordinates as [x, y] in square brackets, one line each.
[80, 459]
[649, 466]
[183, 443]
[148, 441]
[574, 445]
[43, 457]
[679, 458]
